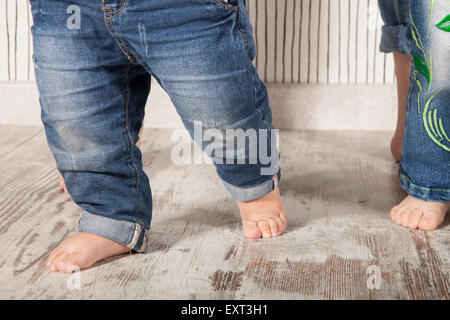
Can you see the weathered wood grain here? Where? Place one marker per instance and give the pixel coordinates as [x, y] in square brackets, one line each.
[337, 187]
[11, 137]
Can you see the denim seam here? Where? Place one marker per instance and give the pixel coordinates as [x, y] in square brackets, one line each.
[122, 45]
[130, 140]
[397, 11]
[136, 235]
[411, 87]
[250, 65]
[272, 182]
[144, 242]
[398, 40]
[401, 37]
[422, 188]
[113, 13]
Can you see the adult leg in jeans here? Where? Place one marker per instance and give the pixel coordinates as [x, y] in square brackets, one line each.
[424, 169]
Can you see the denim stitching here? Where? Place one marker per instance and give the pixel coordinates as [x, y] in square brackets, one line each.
[144, 242]
[422, 188]
[121, 43]
[245, 42]
[397, 11]
[114, 12]
[131, 58]
[136, 236]
[130, 139]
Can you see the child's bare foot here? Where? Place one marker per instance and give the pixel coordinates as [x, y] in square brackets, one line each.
[264, 217]
[82, 251]
[418, 214]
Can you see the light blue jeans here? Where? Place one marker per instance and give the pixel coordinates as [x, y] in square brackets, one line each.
[422, 29]
[93, 62]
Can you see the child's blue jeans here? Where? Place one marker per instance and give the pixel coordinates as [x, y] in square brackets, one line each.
[93, 64]
[422, 29]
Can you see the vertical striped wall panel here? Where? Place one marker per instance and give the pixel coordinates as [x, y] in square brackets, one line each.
[15, 41]
[298, 41]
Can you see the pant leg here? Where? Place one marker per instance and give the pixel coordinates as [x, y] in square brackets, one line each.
[394, 34]
[92, 101]
[201, 52]
[425, 165]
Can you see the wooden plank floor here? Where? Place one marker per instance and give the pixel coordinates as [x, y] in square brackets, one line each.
[337, 187]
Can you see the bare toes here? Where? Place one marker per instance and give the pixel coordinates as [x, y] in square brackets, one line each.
[397, 213]
[394, 212]
[69, 263]
[404, 216]
[265, 229]
[52, 255]
[53, 264]
[419, 214]
[273, 224]
[251, 230]
[281, 225]
[430, 220]
[414, 218]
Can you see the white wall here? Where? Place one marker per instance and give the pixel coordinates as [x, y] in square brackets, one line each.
[299, 41]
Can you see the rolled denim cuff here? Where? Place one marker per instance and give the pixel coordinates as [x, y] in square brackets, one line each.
[435, 194]
[131, 234]
[254, 192]
[395, 39]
